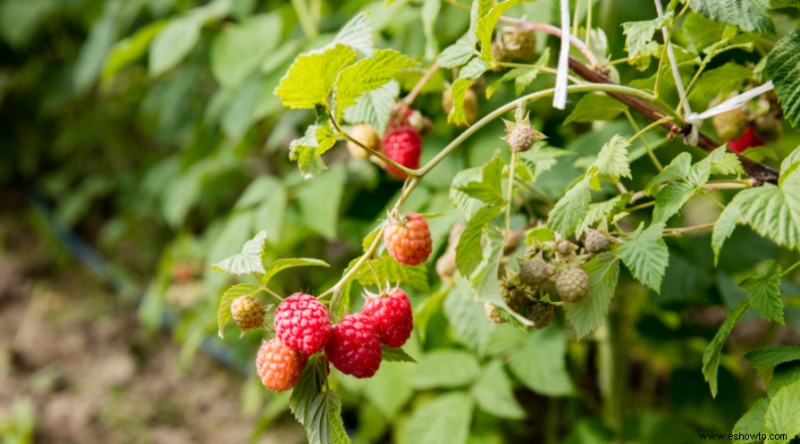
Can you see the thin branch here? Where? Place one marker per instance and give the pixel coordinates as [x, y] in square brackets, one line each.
[409, 99]
[690, 229]
[550, 29]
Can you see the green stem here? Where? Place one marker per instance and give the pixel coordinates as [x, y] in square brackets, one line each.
[640, 134]
[690, 229]
[641, 206]
[791, 267]
[510, 191]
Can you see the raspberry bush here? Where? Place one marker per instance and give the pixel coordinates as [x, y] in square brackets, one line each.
[610, 193]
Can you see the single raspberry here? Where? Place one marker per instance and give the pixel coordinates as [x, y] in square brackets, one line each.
[595, 242]
[748, 140]
[408, 239]
[768, 128]
[493, 313]
[522, 138]
[365, 134]
[470, 105]
[535, 272]
[572, 284]
[730, 125]
[247, 312]
[541, 314]
[279, 366]
[391, 314]
[519, 43]
[302, 322]
[565, 247]
[514, 295]
[354, 347]
[404, 146]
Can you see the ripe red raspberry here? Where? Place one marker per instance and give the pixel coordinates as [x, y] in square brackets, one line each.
[302, 322]
[354, 347]
[408, 239]
[279, 366]
[247, 312]
[391, 314]
[748, 140]
[403, 145]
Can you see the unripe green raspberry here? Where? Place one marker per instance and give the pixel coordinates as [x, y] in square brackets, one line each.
[247, 312]
[493, 313]
[731, 124]
[519, 44]
[365, 134]
[522, 138]
[768, 128]
[541, 314]
[535, 272]
[565, 247]
[595, 242]
[572, 284]
[513, 294]
[470, 104]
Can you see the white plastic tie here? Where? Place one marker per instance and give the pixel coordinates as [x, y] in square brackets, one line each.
[560, 97]
[728, 105]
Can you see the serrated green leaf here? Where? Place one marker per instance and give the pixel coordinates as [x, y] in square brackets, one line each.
[283, 264]
[367, 75]
[724, 80]
[307, 151]
[611, 163]
[385, 269]
[248, 260]
[597, 211]
[456, 54]
[239, 49]
[783, 68]
[774, 356]
[541, 159]
[711, 356]
[752, 422]
[494, 393]
[593, 107]
[318, 411]
[468, 251]
[446, 369]
[748, 15]
[646, 255]
[374, 107]
[571, 209]
[487, 23]
[764, 292]
[231, 294]
[540, 363]
[468, 205]
[671, 199]
[639, 39]
[542, 233]
[678, 169]
[466, 316]
[357, 34]
[395, 355]
[471, 71]
[587, 315]
[488, 188]
[173, 43]
[790, 164]
[311, 77]
[781, 416]
[446, 418]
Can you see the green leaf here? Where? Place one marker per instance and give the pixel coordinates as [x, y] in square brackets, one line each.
[367, 75]
[318, 411]
[429, 13]
[781, 416]
[374, 107]
[611, 163]
[248, 261]
[774, 356]
[307, 151]
[456, 54]
[587, 315]
[320, 199]
[173, 43]
[783, 68]
[489, 188]
[639, 39]
[571, 209]
[389, 270]
[494, 393]
[466, 316]
[540, 363]
[357, 34]
[231, 294]
[283, 264]
[724, 80]
[522, 77]
[752, 422]
[764, 292]
[748, 15]
[597, 211]
[486, 24]
[471, 71]
[395, 355]
[593, 107]
[446, 418]
[127, 51]
[678, 169]
[468, 251]
[446, 369]
[542, 233]
[239, 49]
[311, 77]
[646, 255]
[712, 354]
[671, 199]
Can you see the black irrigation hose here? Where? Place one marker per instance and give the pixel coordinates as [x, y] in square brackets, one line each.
[104, 269]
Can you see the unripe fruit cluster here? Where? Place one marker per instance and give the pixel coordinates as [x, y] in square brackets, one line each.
[750, 125]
